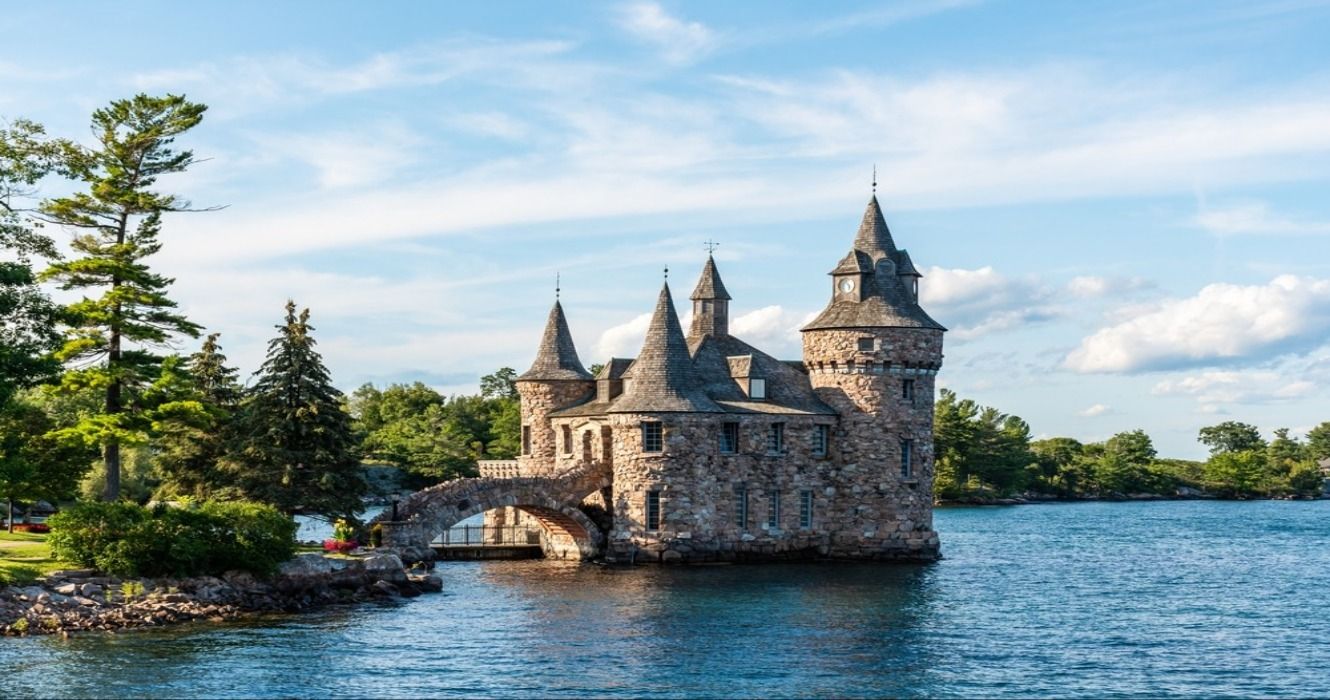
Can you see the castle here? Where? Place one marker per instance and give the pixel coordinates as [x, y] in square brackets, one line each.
[719, 451]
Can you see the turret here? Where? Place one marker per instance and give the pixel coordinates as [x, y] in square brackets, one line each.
[556, 380]
[662, 379]
[711, 304]
[872, 354]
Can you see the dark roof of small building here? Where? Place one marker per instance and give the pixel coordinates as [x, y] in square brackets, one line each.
[662, 379]
[722, 361]
[709, 285]
[905, 266]
[557, 357]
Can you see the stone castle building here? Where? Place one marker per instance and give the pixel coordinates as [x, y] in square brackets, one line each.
[715, 450]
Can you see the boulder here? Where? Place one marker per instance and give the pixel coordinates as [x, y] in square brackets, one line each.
[90, 590]
[306, 565]
[67, 589]
[385, 567]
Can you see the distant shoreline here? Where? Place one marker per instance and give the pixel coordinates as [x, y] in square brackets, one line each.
[1127, 498]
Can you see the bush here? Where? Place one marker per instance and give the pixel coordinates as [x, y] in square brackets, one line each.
[124, 539]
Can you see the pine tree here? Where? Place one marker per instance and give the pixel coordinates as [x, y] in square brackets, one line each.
[295, 445]
[118, 219]
[192, 441]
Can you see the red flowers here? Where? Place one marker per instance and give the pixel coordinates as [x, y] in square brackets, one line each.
[343, 546]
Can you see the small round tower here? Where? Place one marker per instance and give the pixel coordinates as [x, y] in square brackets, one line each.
[556, 380]
[873, 355]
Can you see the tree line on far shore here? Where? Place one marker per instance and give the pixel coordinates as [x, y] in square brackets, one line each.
[982, 453]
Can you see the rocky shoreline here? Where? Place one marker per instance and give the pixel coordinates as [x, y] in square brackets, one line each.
[80, 600]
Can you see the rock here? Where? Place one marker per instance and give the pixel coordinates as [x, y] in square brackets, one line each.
[89, 590]
[67, 589]
[71, 574]
[306, 565]
[386, 567]
[430, 583]
[383, 588]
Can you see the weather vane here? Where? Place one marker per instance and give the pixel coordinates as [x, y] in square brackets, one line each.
[667, 272]
[875, 178]
[710, 245]
[556, 286]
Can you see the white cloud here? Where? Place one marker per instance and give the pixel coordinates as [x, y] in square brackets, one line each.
[368, 154]
[771, 329]
[981, 301]
[680, 41]
[1221, 323]
[1092, 286]
[1255, 219]
[623, 340]
[1098, 409]
[1213, 390]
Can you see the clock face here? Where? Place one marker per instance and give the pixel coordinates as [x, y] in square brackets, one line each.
[847, 285]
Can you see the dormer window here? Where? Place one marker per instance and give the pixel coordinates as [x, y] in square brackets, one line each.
[757, 388]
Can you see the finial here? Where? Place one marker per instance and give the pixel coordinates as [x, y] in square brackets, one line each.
[556, 286]
[875, 179]
[667, 273]
[710, 245]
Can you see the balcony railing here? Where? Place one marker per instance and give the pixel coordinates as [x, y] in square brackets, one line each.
[489, 536]
[498, 468]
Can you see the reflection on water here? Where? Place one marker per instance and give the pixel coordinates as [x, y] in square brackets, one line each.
[1089, 599]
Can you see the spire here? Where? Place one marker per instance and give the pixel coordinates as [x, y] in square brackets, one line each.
[709, 285]
[662, 378]
[557, 357]
[874, 238]
[711, 304]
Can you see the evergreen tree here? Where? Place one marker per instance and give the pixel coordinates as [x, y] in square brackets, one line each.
[192, 441]
[1231, 436]
[33, 464]
[295, 445]
[118, 219]
[1318, 441]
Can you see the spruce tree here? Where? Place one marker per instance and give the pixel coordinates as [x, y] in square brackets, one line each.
[295, 446]
[192, 441]
[118, 219]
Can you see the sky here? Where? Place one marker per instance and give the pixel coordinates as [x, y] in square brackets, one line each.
[1120, 209]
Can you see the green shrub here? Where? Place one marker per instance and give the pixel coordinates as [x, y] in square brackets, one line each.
[124, 539]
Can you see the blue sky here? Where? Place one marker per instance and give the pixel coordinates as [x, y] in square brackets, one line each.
[1120, 208]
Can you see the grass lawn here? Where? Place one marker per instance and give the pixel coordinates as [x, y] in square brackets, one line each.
[25, 557]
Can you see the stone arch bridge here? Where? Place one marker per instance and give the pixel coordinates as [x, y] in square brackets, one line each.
[553, 501]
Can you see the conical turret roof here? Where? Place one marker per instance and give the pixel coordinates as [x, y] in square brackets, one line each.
[710, 286]
[662, 379]
[874, 237]
[557, 357]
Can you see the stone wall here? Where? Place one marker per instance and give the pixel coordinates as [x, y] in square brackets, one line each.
[883, 514]
[539, 399]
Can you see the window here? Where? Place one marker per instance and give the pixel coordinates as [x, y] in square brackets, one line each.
[741, 507]
[706, 307]
[652, 437]
[806, 509]
[773, 510]
[757, 388]
[907, 389]
[907, 459]
[729, 438]
[776, 439]
[653, 510]
[526, 439]
[821, 439]
[567, 440]
[865, 345]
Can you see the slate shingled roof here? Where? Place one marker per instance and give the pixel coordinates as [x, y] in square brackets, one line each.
[710, 286]
[662, 378]
[720, 359]
[557, 357]
[887, 303]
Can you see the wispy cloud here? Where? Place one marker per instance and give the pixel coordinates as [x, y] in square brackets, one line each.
[679, 41]
[1255, 218]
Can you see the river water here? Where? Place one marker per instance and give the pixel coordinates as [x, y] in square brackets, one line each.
[1097, 599]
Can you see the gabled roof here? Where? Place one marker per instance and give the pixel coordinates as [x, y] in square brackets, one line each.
[905, 266]
[709, 285]
[873, 237]
[556, 359]
[662, 378]
[615, 368]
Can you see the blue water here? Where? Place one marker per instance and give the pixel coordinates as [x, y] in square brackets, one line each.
[1101, 599]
